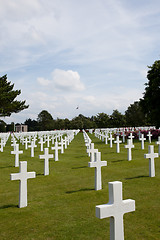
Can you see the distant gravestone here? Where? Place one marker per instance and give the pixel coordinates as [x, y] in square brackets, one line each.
[41, 142]
[142, 139]
[91, 152]
[131, 137]
[16, 152]
[46, 158]
[97, 165]
[32, 146]
[1, 145]
[55, 148]
[129, 146]
[149, 136]
[111, 139]
[115, 209]
[117, 142]
[151, 155]
[23, 175]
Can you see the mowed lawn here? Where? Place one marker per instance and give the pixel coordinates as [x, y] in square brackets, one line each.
[62, 205]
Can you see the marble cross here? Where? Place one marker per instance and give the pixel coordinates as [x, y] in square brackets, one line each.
[16, 152]
[117, 142]
[55, 148]
[142, 139]
[111, 139]
[151, 155]
[149, 136]
[32, 146]
[23, 175]
[115, 209]
[97, 165]
[129, 146]
[46, 157]
[91, 151]
[41, 142]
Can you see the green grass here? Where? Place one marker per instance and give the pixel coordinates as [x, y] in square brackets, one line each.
[62, 205]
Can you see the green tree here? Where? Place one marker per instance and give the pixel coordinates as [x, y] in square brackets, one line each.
[102, 120]
[2, 126]
[8, 104]
[117, 119]
[45, 121]
[32, 125]
[134, 115]
[150, 102]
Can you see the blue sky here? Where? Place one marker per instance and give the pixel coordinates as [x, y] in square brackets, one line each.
[67, 53]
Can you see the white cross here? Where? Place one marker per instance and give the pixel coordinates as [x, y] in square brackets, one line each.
[48, 140]
[98, 164]
[115, 209]
[1, 144]
[131, 137]
[142, 139]
[118, 142]
[92, 151]
[26, 141]
[123, 136]
[41, 142]
[158, 143]
[56, 148]
[62, 143]
[129, 147]
[16, 152]
[149, 136]
[32, 146]
[106, 138]
[111, 139]
[151, 155]
[46, 157]
[23, 175]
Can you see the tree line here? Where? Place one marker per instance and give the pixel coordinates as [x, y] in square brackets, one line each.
[146, 111]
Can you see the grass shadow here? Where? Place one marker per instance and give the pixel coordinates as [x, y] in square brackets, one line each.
[81, 190]
[7, 167]
[39, 174]
[117, 161]
[8, 206]
[141, 176]
[80, 167]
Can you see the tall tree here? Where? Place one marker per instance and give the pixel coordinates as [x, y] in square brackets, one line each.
[117, 119]
[8, 104]
[151, 100]
[134, 115]
[45, 121]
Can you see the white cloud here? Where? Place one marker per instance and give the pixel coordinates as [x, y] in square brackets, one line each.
[43, 82]
[67, 80]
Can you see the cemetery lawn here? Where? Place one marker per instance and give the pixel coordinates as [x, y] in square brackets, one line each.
[61, 206]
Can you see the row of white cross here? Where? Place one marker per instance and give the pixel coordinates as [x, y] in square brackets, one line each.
[116, 207]
[23, 175]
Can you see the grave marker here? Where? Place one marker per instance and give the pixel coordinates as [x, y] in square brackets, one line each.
[115, 209]
[98, 164]
[151, 155]
[23, 175]
[46, 157]
[16, 152]
[129, 146]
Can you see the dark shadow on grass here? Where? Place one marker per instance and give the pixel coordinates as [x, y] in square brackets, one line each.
[80, 167]
[141, 176]
[81, 190]
[7, 167]
[8, 206]
[39, 174]
[118, 161]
